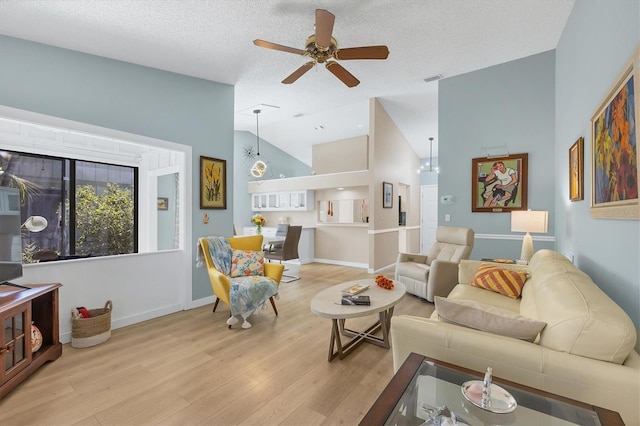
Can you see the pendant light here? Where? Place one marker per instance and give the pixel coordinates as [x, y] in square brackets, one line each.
[259, 168]
[431, 156]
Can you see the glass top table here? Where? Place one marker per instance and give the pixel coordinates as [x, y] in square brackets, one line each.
[422, 385]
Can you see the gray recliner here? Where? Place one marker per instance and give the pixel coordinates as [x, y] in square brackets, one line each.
[436, 273]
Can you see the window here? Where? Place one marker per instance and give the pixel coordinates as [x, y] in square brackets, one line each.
[90, 207]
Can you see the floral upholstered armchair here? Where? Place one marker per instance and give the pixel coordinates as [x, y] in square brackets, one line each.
[238, 274]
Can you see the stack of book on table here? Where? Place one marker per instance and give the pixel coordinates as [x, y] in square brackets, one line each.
[358, 299]
[351, 296]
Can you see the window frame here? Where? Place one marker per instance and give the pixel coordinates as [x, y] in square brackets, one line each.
[68, 185]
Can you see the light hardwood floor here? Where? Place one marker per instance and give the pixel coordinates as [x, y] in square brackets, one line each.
[187, 368]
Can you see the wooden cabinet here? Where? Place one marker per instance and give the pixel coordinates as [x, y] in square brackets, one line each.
[283, 201]
[18, 309]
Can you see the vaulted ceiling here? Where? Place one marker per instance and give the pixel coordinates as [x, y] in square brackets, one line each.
[213, 39]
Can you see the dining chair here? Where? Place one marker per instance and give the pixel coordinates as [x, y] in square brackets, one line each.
[289, 250]
[281, 232]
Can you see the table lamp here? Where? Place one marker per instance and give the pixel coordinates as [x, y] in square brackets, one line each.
[528, 221]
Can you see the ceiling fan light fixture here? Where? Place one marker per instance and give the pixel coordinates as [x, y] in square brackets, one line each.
[323, 48]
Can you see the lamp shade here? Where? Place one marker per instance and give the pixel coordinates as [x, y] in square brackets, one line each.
[529, 221]
[36, 223]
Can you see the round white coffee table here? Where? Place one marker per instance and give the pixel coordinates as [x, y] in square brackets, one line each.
[327, 304]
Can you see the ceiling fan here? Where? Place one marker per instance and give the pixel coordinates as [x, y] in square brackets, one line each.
[323, 49]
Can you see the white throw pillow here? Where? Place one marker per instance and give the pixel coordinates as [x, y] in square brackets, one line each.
[483, 317]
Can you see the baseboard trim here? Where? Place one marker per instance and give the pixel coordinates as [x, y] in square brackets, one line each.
[340, 263]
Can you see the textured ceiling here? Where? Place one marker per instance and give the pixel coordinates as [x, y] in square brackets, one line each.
[213, 40]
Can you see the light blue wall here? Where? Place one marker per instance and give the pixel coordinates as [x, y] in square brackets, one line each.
[130, 98]
[510, 104]
[278, 162]
[597, 42]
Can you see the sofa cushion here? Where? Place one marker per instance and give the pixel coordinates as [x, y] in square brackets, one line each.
[488, 297]
[246, 263]
[467, 269]
[581, 319]
[500, 280]
[487, 318]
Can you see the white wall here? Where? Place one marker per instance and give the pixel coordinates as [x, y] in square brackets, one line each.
[392, 160]
[141, 286]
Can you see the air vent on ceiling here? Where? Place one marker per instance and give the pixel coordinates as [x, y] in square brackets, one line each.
[434, 78]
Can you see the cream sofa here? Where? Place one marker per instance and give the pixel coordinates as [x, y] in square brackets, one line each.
[585, 351]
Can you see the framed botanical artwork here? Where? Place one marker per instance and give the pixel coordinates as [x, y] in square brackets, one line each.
[576, 170]
[387, 195]
[499, 184]
[614, 148]
[163, 203]
[213, 183]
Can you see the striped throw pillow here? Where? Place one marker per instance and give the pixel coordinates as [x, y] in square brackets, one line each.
[500, 280]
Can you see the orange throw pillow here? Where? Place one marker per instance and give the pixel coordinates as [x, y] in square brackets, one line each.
[500, 280]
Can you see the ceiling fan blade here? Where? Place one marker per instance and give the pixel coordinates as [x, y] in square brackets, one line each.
[324, 27]
[274, 46]
[345, 76]
[298, 73]
[365, 52]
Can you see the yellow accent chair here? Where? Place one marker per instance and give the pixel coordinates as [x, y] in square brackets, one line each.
[221, 283]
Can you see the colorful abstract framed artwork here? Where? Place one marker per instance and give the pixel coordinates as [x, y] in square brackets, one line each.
[499, 184]
[614, 148]
[213, 183]
[576, 170]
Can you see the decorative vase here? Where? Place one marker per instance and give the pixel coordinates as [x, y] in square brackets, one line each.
[258, 229]
[36, 338]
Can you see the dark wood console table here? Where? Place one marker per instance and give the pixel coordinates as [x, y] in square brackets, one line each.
[18, 309]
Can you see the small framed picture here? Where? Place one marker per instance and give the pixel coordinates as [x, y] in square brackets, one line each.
[213, 183]
[387, 195]
[576, 170]
[163, 203]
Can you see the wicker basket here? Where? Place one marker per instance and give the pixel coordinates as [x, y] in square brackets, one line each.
[87, 332]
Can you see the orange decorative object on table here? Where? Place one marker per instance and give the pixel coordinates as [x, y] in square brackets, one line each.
[384, 282]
